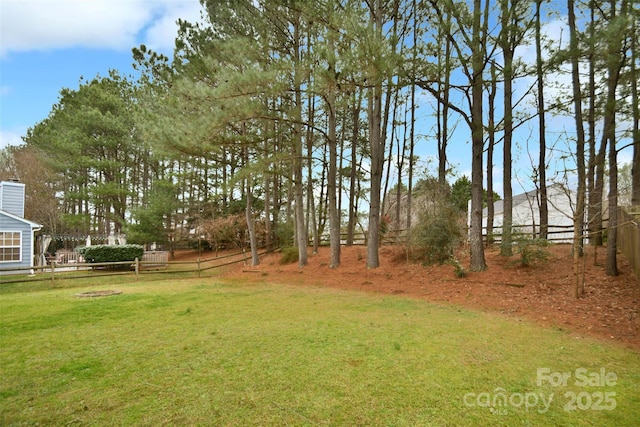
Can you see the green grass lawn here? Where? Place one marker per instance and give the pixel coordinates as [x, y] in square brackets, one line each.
[205, 352]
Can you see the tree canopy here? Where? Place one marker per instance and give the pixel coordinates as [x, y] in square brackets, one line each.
[302, 114]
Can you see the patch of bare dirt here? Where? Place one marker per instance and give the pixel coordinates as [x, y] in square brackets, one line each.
[543, 293]
[95, 294]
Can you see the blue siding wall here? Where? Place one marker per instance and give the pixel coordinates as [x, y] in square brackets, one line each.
[12, 198]
[10, 224]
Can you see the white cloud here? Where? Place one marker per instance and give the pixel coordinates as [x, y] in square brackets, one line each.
[555, 32]
[31, 25]
[8, 138]
[162, 32]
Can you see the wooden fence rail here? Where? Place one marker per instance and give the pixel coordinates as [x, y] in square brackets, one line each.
[557, 233]
[155, 262]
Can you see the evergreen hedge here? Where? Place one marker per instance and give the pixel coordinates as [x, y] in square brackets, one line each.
[111, 253]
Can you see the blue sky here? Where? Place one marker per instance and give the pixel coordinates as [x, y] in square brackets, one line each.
[47, 45]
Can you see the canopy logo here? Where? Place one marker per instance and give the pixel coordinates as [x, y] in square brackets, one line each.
[500, 400]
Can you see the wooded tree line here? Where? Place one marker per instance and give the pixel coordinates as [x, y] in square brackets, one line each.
[296, 114]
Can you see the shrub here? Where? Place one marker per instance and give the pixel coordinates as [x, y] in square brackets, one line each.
[284, 233]
[457, 267]
[226, 231]
[436, 235]
[231, 231]
[111, 253]
[531, 251]
[289, 255]
[202, 245]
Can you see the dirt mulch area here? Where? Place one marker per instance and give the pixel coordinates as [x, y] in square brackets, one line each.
[96, 294]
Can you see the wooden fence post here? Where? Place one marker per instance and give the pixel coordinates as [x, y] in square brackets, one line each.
[199, 267]
[53, 268]
[137, 266]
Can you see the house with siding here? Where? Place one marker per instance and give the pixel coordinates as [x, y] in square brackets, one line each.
[526, 213]
[17, 234]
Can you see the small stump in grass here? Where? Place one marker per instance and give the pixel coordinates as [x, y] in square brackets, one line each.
[93, 294]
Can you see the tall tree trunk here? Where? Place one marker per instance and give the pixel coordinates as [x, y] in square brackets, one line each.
[478, 262]
[396, 100]
[577, 102]
[253, 240]
[377, 146]
[612, 235]
[411, 147]
[301, 231]
[507, 52]
[247, 185]
[377, 162]
[414, 55]
[332, 179]
[334, 214]
[615, 62]
[635, 168]
[354, 167]
[401, 153]
[594, 208]
[391, 93]
[311, 206]
[492, 137]
[342, 136]
[598, 193]
[268, 231]
[322, 201]
[443, 122]
[542, 127]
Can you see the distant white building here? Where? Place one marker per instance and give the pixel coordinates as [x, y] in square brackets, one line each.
[526, 213]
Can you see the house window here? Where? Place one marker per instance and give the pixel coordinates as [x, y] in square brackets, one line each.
[10, 246]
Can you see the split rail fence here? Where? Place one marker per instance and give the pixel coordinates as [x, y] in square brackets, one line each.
[556, 233]
[156, 262]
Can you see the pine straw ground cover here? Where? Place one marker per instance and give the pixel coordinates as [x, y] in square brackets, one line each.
[207, 351]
